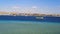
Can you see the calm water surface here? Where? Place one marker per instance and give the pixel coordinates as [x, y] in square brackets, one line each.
[28, 27]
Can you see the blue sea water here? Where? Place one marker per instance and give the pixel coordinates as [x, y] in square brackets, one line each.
[31, 18]
[29, 27]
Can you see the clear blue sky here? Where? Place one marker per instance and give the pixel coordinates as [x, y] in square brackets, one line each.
[34, 6]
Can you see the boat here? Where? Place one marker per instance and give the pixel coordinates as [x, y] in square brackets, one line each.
[40, 17]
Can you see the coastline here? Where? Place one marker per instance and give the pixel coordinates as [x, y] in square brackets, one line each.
[26, 14]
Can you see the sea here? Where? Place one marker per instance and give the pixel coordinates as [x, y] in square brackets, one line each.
[28, 27]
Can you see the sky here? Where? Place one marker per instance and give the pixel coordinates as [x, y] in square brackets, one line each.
[31, 6]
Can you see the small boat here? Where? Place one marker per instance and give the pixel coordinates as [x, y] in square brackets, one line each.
[40, 17]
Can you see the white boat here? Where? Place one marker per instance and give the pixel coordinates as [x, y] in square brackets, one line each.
[39, 17]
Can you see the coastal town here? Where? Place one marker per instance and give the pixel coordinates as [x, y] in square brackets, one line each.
[27, 14]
